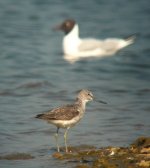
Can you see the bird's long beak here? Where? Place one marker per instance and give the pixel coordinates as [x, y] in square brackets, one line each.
[100, 101]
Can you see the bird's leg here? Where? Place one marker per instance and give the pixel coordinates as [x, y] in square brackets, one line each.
[56, 138]
[65, 138]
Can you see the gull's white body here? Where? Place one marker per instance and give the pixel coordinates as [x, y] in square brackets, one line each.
[75, 48]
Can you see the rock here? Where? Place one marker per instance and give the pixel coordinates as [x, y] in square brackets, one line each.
[144, 163]
[134, 156]
[142, 142]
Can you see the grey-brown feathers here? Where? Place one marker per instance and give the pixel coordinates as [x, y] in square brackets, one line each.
[62, 113]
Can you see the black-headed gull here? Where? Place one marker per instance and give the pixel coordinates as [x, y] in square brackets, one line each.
[75, 48]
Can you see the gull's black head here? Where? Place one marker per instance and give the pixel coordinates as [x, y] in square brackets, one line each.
[66, 26]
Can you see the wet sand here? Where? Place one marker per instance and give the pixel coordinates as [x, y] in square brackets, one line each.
[17, 156]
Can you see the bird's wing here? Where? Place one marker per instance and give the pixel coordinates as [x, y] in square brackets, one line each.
[112, 44]
[89, 44]
[109, 44]
[62, 113]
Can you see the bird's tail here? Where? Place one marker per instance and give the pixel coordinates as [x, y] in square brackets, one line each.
[130, 39]
[40, 116]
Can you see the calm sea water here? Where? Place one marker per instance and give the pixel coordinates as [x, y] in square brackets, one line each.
[34, 77]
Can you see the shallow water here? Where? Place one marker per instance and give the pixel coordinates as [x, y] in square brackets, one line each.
[34, 77]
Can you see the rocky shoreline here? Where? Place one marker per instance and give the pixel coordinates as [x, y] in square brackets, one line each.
[137, 155]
